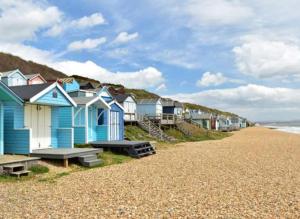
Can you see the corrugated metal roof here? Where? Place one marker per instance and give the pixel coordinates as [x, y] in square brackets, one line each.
[26, 92]
[83, 100]
[147, 101]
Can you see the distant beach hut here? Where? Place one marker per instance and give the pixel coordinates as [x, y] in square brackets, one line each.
[35, 79]
[129, 104]
[14, 78]
[172, 107]
[150, 107]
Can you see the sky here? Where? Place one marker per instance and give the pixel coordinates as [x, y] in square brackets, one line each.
[234, 55]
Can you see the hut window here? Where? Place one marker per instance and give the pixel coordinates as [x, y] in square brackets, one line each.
[101, 117]
[54, 94]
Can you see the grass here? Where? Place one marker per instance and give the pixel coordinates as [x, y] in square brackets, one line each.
[200, 136]
[52, 179]
[110, 158]
[134, 133]
[39, 169]
[83, 146]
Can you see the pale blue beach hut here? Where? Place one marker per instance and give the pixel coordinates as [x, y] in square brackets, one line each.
[40, 120]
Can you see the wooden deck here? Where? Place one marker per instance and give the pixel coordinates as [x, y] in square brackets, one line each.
[64, 153]
[136, 149]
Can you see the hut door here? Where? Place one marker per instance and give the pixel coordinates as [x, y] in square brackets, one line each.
[114, 126]
[38, 118]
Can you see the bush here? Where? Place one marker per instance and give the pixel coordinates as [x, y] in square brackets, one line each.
[39, 169]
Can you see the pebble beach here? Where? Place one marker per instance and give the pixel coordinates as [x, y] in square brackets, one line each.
[255, 173]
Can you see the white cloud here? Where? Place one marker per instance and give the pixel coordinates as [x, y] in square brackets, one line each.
[268, 58]
[162, 87]
[125, 37]
[215, 79]
[87, 44]
[146, 78]
[89, 21]
[252, 101]
[211, 79]
[81, 23]
[217, 12]
[22, 20]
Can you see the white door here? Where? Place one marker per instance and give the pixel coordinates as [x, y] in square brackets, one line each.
[114, 126]
[38, 118]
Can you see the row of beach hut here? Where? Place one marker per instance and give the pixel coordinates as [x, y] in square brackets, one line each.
[38, 114]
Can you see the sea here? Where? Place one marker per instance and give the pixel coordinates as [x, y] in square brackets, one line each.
[290, 127]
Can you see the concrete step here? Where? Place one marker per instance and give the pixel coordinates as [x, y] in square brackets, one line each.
[88, 157]
[20, 173]
[14, 167]
[91, 163]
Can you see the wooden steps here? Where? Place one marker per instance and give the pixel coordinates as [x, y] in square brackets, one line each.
[16, 169]
[154, 130]
[90, 160]
[141, 150]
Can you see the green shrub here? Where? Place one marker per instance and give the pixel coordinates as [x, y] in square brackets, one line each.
[39, 169]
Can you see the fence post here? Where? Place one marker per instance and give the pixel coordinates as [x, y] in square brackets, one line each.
[161, 138]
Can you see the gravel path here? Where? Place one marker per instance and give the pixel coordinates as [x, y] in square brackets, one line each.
[253, 174]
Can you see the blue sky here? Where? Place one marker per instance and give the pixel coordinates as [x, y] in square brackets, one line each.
[239, 56]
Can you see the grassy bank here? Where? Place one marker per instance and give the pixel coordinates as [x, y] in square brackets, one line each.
[134, 133]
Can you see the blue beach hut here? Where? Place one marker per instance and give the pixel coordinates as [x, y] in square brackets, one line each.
[114, 117]
[6, 97]
[44, 119]
[89, 123]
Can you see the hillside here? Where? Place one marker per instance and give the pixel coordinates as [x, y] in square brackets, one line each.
[9, 62]
[206, 109]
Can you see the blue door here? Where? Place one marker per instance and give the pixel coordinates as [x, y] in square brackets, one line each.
[1, 130]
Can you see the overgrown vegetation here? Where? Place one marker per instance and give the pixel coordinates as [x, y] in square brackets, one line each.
[39, 169]
[141, 94]
[134, 133]
[207, 109]
[209, 135]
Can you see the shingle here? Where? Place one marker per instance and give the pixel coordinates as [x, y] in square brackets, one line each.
[26, 92]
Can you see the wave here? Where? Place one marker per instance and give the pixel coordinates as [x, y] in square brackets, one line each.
[289, 129]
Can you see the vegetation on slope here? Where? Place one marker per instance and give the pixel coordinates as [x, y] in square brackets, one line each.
[135, 133]
[9, 62]
[142, 94]
[206, 109]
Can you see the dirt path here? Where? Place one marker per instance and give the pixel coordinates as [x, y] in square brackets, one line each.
[255, 173]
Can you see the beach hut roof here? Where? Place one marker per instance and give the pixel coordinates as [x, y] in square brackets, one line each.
[26, 92]
[89, 101]
[32, 76]
[33, 92]
[148, 101]
[122, 97]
